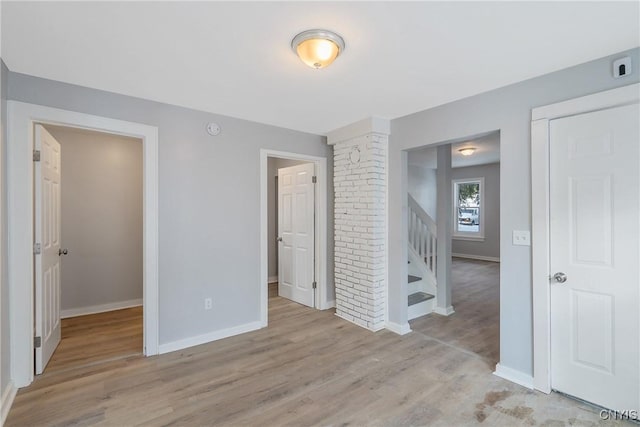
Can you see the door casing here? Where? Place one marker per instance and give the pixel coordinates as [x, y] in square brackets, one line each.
[22, 117]
[540, 237]
[320, 230]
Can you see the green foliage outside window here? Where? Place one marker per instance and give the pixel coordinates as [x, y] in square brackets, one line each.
[469, 194]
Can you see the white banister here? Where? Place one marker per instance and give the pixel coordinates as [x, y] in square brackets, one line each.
[422, 235]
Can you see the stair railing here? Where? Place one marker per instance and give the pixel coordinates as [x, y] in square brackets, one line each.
[422, 235]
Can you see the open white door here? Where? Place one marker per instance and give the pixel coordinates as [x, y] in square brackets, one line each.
[595, 256]
[296, 242]
[47, 237]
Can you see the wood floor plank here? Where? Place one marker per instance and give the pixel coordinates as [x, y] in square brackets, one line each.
[98, 337]
[475, 325]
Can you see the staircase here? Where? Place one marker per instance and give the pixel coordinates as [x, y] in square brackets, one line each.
[422, 261]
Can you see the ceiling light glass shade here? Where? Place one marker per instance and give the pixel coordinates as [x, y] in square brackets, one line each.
[467, 151]
[317, 48]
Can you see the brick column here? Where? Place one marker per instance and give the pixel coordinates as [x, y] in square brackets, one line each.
[360, 187]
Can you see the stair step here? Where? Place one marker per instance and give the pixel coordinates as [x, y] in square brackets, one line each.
[414, 279]
[419, 297]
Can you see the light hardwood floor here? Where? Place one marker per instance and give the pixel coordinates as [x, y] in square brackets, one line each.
[307, 368]
[475, 325]
[98, 337]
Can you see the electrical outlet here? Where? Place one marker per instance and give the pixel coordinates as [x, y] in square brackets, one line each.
[208, 303]
[521, 238]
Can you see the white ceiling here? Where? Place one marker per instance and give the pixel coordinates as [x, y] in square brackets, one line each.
[487, 151]
[234, 58]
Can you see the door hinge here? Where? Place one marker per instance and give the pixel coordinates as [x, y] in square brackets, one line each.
[314, 285]
[36, 155]
[314, 179]
[37, 248]
[37, 342]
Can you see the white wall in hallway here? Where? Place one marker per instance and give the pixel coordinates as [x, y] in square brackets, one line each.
[5, 379]
[423, 187]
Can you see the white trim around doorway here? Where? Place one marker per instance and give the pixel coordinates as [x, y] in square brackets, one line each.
[22, 118]
[321, 301]
[540, 238]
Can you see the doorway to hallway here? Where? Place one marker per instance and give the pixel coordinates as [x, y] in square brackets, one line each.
[294, 229]
[454, 243]
[88, 223]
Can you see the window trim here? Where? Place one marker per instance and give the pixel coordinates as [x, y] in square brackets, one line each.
[466, 235]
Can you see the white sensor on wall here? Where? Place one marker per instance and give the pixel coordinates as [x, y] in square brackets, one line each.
[213, 129]
[622, 67]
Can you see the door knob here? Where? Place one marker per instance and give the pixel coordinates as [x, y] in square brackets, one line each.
[279, 239]
[63, 251]
[560, 277]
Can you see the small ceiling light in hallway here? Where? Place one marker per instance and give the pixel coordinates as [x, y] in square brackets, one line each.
[317, 48]
[467, 151]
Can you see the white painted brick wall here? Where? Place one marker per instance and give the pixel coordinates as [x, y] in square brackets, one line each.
[360, 226]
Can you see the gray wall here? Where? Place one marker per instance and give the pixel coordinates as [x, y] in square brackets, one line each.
[490, 247]
[101, 218]
[507, 109]
[424, 188]
[209, 202]
[4, 282]
[273, 164]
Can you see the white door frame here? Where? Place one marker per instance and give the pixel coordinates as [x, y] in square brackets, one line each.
[22, 117]
[320, 235]
[540, 238]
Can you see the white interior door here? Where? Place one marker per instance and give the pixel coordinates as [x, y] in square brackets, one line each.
[595, 240]
[296, 233]
[47, 235]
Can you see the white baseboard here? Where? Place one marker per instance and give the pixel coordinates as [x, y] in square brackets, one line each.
[83, 311]
[8, 394]
[209, 337]
[328, 305]
[478, 257]
[398, 328]
[514, 376]
[272, 279]
[447, 311]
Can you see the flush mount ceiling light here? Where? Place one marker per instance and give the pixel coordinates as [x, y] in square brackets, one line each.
[317, 48]
[467, 151]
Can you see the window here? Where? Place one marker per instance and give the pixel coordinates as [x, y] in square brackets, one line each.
[468, 221]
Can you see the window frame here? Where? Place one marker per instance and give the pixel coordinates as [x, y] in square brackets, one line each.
[468, 235]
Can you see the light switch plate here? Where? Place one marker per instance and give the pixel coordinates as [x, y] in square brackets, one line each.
[521, 238]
